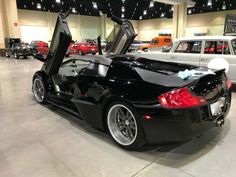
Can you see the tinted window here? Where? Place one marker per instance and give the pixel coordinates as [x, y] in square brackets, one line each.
[189, 47]
[119, 71]
[234, 46]
[155, 41]
[217, 47]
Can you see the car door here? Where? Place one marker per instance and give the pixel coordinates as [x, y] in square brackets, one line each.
[124, 37]
[187, 52]
[218, 54]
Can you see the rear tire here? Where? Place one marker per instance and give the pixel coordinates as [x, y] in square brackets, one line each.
[124, 125]
[94, 53]
[39, 90]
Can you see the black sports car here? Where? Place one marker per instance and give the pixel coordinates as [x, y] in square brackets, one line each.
[139, 101]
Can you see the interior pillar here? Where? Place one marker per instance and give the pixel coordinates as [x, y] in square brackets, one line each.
[9, 21]
[180, 20]
[103, 26]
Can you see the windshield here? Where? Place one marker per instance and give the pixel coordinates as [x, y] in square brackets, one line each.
[234, 46]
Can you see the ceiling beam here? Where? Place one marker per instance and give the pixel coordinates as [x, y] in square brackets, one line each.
[176, 2]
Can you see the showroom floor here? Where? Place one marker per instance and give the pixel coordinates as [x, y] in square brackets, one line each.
[43, 141]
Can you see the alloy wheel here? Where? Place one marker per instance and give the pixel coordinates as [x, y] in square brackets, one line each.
[38, 90]
[122, 124]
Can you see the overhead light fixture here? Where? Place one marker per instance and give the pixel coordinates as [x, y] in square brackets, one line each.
[151, 4]
[172, 8]
[39, 6]
[95, 6]
[122, 8]
[73, 10]
[145, 12]
[209, 3]
[189, 11]
[122, 16]
[100, 13]
[58, 1]
[123, 1]
[140, 18]
[162, 14]
[223, 7]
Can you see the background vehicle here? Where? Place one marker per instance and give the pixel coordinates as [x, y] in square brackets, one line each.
[82, 48]
[160, 41]
[135, 46]
[19, 50]
[39, 47]
[212, 51]
[137, 100]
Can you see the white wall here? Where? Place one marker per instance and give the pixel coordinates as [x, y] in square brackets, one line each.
[39, 25]
[212, 23]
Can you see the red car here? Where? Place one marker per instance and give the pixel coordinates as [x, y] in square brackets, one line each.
[82, 48]
[40, 46]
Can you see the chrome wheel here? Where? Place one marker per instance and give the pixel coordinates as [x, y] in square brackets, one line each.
[38, 90]
[122, 124]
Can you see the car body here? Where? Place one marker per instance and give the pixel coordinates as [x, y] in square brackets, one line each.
[159, 41]
[39, 47]
[19, 50]
[82, 48]
[137, 100]
[213, 51]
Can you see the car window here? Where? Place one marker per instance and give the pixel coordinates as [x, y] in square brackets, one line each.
[217, 47]
[234, 46]
[167, 48]
[155, 41]
[189, 47]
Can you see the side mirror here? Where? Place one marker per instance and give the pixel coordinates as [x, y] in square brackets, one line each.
[39, 57]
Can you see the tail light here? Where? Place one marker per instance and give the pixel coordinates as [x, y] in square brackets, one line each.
[229, 84]
[180, 98]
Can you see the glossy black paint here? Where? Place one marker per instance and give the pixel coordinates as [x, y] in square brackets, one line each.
[86, 86]
[87, 92]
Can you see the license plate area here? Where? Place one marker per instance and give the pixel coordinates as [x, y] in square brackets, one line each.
[217, 107]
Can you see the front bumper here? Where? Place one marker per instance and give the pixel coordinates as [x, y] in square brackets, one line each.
[178, 125]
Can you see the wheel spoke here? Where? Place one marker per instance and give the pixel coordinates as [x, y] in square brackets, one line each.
[130, 133]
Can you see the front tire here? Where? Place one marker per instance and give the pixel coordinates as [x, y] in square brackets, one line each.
[39, 90]
[124, 126]
[16, 55]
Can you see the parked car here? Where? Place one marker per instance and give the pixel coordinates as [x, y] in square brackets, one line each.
[159, 41]
[137, 100]
[19, 50]
[39, 47]
[135, 46]
[82, 48]
[212, 51]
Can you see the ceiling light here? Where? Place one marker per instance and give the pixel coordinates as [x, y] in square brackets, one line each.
[151, 4]
[95, 6]
[140, 17]
[123, 1]
[172, 8]
[100, 12]
[58, 1]
[145, 12]
[122, 16]
[122, 8]
[209, 3]
[38, 6]
[189, 11]
[162, 14]
[223, 7]
[73, 10]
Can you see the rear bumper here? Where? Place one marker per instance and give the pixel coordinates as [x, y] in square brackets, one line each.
[177, 125]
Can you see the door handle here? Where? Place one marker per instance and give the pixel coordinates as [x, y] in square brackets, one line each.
[204, 59]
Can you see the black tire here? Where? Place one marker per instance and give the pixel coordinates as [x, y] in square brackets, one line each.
[7, 55]
[94, 53]
[39, 97]
[16, 56]
[138, 139]
[80, 52]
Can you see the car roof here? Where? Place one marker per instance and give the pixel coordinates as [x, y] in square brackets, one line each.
[207, 38]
